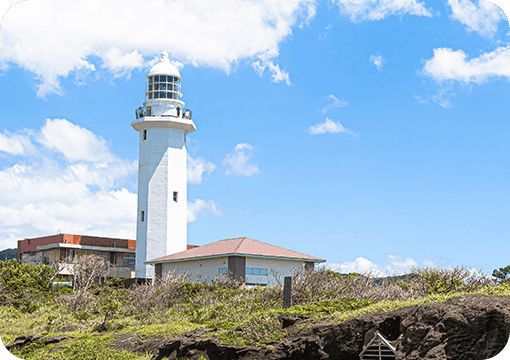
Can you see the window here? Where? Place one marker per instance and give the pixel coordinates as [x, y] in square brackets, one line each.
[222, 271]
[142, 216]
[145, 134]
[175, 196]
[155, 83]
[255, 271]
[129, 260]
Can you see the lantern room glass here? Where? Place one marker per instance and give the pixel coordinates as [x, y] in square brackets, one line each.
[156, 83]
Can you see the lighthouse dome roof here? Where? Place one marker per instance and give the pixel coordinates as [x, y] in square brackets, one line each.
[164, 66]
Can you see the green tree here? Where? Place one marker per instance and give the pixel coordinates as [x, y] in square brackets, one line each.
[502, 275]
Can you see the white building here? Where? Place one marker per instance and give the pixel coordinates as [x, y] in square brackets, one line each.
[162, 124]
[246, 260]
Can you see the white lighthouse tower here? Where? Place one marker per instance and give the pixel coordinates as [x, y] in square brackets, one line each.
[162, 125]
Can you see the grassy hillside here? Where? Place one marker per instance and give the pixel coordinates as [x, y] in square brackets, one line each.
[95, 316]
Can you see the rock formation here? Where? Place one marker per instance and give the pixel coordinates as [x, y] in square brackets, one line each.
[464, 327]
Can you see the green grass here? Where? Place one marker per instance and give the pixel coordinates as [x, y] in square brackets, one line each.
[176, 308]
[83, 346]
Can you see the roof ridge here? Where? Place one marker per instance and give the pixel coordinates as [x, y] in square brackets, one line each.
[235, 251]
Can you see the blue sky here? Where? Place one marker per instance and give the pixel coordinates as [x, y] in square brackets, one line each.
[373, 134]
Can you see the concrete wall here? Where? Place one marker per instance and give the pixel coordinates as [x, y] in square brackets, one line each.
[28, 245]
[162, 170]
[281, 268]
[108, 242]
[123, 273]
[206, 268]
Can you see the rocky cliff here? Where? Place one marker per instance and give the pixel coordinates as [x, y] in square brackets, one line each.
[464, 327]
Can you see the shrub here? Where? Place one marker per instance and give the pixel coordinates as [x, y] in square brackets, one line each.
[502, 275]
[448, 281]
[24, 284]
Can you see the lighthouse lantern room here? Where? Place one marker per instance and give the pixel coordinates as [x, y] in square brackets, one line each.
[162, 124]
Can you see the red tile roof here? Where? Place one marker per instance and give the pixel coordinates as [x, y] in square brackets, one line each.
[239, 246]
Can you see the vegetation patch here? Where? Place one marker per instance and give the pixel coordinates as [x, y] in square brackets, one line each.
[95, 311]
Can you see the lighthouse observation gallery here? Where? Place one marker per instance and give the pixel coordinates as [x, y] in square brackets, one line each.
[162, 124]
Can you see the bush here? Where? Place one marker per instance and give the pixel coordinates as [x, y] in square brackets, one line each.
[24, 284]
[502, 275]
[449, 281]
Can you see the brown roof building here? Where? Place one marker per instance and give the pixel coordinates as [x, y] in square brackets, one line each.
[246, 260]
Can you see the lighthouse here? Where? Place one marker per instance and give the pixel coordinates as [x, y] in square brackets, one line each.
[162, 124]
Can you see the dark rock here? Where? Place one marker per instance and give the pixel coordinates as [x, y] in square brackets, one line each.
[464, 327]
[21, 341]
[291, 319]
[55, 339]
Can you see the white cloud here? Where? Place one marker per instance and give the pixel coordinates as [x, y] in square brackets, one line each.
[329, 126]
[16, 144]
[377, 61]
[420, 99]
[442, 97]
[122, 64]
[237, 162]
[482, 17]
[450, 65]
[359, 10]
[58, 38]
[335, 104]
[196, 168]
[394, 264]
[359, 265]
[73, 141]
[201, 208]
[82, 194]
[265, 61]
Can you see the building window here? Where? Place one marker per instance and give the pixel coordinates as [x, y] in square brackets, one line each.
[145, 134]
[142, 216]
[256, 271]
[175, 196]
[163, 82]
[222, 271]
[129, 260]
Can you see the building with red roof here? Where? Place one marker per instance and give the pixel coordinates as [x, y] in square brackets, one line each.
[246, 260]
